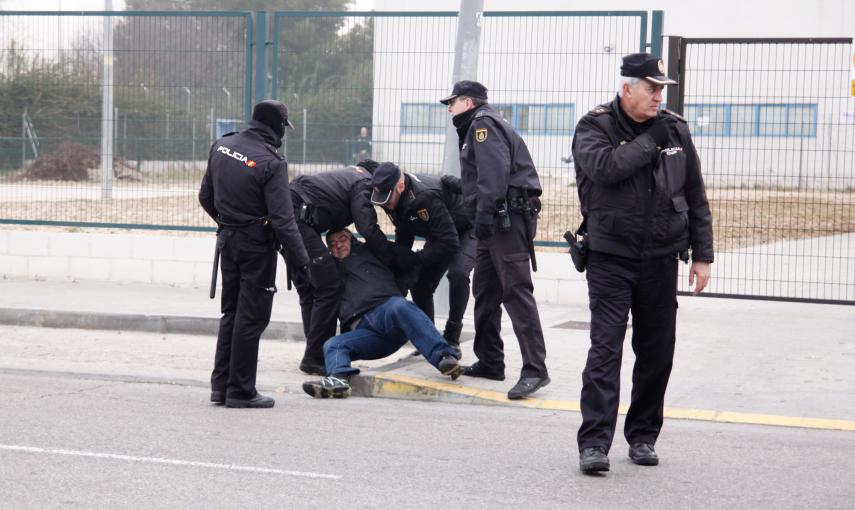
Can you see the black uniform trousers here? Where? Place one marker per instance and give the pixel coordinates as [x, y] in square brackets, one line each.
[319, 294]
[248, 266]
[616, 286]
[503, 277]
[459, 268]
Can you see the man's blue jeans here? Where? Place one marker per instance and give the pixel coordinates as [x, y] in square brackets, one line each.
[381, 332]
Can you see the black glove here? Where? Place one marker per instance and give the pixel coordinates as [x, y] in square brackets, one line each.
[660, 130]
[452, 184]
[405, 258]
[483, 231]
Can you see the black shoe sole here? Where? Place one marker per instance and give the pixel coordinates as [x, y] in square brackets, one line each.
[248, 404]
[318, 391]
[644, 461]
[218, 398]
[594, 467]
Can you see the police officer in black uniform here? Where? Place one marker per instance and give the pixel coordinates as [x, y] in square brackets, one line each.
[501, 186]
[430, 207]
[643, 199]
[330, 201]
[245, 190]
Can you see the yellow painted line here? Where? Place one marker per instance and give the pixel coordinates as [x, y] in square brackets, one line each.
[405, 386]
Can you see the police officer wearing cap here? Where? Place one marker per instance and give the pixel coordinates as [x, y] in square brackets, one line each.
[644, 206]
[501, 186]
[245, 190]
[330, 201]
[430, 207]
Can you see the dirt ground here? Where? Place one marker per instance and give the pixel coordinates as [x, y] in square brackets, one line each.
[741, 217]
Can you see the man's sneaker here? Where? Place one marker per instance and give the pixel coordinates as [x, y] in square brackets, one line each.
[449, 365]
[311, 367]
[592, 460]
[526, 386]
[328, 387]
[259, 401]
[478, 370]
[643, 454]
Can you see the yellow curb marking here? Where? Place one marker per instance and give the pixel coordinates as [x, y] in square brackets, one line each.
[403, 385]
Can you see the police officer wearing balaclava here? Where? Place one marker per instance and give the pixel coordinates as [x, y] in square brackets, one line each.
[245, 190]
[642, 196]
[501, 186]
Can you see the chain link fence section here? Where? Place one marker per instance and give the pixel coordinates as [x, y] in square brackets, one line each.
[179, 80]
[775, 130]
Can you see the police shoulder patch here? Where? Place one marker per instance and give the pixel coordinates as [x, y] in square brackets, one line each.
[480, 134]
[675, 115]
[423, 214]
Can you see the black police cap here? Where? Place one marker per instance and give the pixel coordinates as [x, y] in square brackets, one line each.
[273, 114]
[467, 88]
[385, 178]
[645, 66]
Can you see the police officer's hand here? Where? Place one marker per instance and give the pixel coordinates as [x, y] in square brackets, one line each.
[483, 231]
[700, 273]
[405, 258]
[660, 130]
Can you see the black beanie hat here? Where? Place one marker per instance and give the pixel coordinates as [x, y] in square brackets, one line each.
[273, 114]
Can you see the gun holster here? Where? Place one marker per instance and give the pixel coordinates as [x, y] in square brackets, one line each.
[578, 249]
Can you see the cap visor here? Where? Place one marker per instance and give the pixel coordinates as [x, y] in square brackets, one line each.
[660, 80]
[380, 197]
[288, 123]
[447, 99]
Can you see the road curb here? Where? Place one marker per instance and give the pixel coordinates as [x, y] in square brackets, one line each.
[176, 324]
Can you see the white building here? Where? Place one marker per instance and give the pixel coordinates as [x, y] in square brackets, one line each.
[545, 71]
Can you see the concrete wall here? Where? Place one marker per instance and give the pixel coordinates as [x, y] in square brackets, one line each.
[181, 261]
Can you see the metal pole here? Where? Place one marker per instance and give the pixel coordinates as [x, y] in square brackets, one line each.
[107, 120]
[465, 68]
[305, 121]
[23, 139]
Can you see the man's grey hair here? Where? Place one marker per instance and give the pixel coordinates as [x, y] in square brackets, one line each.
[629, 80]
[475, 102]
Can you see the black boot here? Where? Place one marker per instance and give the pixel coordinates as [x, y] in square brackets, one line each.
[452, 335]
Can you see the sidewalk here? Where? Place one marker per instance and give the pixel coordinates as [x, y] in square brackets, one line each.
[737, 360]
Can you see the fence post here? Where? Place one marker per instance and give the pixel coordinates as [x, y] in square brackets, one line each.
[676, 71]
[261, 56]
[656, 33]
[107, 120]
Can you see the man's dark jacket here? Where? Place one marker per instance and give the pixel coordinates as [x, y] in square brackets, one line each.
[431, 209]
[247, 181]
[494, 162]
[640, 200]
[367, 283]
[340, 197]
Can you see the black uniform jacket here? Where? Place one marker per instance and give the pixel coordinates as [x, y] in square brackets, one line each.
[430, 210]
[494, 162]
[247, 181]
[640, 200]
[340, 197]
[367, 283]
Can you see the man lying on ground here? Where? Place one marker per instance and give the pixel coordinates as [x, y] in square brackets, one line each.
[376, 320]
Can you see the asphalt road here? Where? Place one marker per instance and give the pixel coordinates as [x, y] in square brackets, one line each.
[67, 442]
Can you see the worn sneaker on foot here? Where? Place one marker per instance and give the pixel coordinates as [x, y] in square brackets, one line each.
[328, 387]
[450, 366]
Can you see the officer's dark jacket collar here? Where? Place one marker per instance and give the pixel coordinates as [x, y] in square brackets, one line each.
[462, 121]
[265, 133]
[628, 128]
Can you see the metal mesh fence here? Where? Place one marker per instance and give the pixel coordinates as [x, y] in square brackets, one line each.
[369, 86]
[775, 130]
[178, 81]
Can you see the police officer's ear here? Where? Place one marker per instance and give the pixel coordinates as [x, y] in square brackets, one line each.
[401, 184]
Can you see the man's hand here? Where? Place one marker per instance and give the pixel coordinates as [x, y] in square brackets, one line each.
[701, 271]
[660, 130]
[483, 231]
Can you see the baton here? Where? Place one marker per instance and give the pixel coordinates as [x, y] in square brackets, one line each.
[528, 216]
[215, 270]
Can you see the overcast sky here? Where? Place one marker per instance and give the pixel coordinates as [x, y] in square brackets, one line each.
[98, 5]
